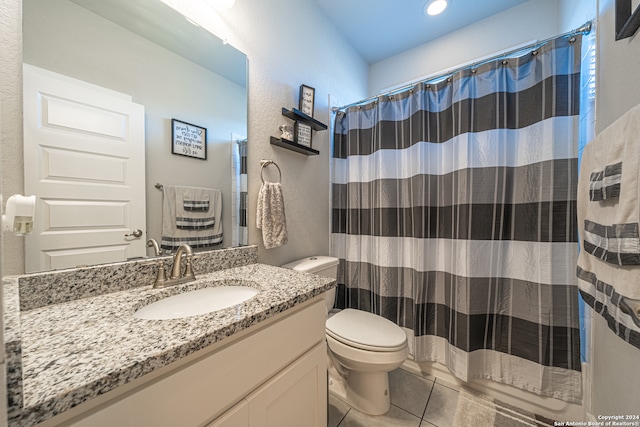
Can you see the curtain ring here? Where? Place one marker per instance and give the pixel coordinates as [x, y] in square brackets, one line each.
[474, 70]
[534, 53]
[572, 40]
[266, 163]
[505, 62]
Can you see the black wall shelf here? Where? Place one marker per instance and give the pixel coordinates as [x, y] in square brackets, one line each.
[299, 116]
[290, 145]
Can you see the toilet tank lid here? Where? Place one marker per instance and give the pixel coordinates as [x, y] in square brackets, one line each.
[313, 264]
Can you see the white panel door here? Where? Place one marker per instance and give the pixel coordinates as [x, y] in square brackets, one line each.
[84, 160]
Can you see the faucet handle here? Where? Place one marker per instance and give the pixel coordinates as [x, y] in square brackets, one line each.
[161, 277]
[188, 269]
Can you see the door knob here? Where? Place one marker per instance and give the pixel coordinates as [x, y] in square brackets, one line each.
[135, 233]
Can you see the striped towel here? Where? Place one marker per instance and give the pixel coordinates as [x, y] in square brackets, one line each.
[608, 214]
[193, 208]
[605, 184]
[191, 215]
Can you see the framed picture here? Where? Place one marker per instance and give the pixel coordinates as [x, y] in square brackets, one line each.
[307, 98]
[303, 134]
[627, 23]
[188, 139]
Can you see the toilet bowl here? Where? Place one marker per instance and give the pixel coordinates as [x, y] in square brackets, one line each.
[362, 347]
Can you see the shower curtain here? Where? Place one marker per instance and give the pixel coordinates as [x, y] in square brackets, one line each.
[239, 194]
[454, 215]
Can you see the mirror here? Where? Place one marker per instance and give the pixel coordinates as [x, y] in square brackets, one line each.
[166, 63]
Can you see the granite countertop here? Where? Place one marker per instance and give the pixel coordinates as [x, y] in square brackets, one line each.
[77, 350]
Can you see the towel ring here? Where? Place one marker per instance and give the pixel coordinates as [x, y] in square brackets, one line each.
[266, 163]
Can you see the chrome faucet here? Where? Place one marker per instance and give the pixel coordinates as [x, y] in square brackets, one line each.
[177, 275]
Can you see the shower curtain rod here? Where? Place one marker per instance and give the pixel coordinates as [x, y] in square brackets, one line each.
[584, 29]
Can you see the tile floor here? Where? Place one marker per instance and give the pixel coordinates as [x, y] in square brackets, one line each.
[416, 401]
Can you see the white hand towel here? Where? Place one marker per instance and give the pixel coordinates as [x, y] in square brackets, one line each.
[271, 218]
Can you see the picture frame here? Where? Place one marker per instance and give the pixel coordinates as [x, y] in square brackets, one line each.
[307, 100]
[627, 22]
[188, 139]
[303, 134]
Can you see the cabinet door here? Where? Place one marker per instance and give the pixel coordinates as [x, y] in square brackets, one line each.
[295, 397]
[238, 416]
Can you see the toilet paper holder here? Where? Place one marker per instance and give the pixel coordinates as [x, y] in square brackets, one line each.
[19, 214]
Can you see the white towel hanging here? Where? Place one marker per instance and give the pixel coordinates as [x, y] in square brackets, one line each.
[271, 218]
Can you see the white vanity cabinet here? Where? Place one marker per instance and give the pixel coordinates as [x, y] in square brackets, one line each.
[238, 416]
[295, 397]
[271, 374]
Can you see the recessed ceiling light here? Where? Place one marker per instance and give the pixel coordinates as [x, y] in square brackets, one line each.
[435, 7]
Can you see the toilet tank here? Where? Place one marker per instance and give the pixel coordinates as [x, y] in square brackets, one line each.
[326, 266]
[321, 265]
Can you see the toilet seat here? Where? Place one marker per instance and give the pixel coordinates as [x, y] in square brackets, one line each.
[366, 331]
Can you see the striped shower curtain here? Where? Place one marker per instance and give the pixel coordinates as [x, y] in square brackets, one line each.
[454, 215]
[239, 193]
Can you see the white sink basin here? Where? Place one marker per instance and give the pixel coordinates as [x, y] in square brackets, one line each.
[193, 303]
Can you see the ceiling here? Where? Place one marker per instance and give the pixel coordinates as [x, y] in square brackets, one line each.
[379, 29]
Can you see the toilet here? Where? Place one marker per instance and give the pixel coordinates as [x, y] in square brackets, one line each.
[362, 347]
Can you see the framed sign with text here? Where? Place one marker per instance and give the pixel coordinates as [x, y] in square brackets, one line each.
[303, 134]
[307, 98]
[188, 140]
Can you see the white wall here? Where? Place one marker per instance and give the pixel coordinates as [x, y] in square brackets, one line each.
[574, 13]
[289, 43]
[526, 22]
[618, 69]
[3, 365]
[8, 59]
[11, 117]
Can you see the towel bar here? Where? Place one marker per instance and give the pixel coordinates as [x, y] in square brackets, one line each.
[266, 163]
